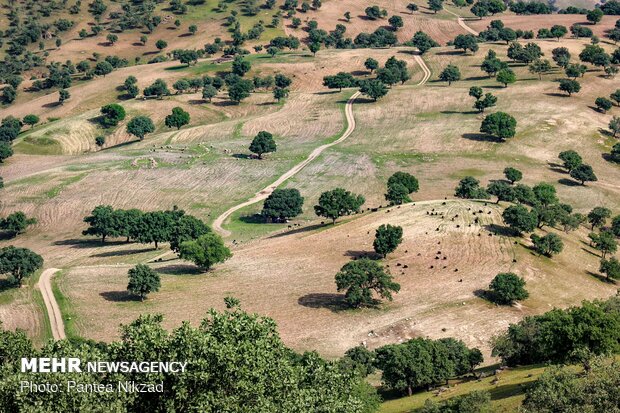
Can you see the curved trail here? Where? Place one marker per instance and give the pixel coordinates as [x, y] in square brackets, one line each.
[264, 193]
[53, 311]
[462, 23]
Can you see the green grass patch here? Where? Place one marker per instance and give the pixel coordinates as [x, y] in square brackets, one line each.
[40, 145]
[507, 391]
[66, 309]
[65, 182]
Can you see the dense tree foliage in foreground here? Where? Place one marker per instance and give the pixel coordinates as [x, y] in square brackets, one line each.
[560, 336]
[236, 363]
[569, 390]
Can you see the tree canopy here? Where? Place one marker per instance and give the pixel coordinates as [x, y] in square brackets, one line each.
[338, 202]
[363, 277]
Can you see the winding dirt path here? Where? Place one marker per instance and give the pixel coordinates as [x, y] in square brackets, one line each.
[462, 23]
[53, 311]
[264, 193]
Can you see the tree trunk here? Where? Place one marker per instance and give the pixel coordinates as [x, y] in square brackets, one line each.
[156, 244]
[409, 390]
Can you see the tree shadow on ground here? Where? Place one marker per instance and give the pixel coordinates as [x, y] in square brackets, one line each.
[481, 137]
[327, 92]
[87, 243]
[180, 269]
[501, 230]
[224, 103]
[332, 302]
[242, 156]
[556, 167]
[119, 296]
[51, 105]
[362, 254]
[601, 278]
[458, 112]
[253, 219]
[569, 182]
[6, 284]
[121, 253]
[450, 53]
[358, 100]
[557, 95]
[298, 230]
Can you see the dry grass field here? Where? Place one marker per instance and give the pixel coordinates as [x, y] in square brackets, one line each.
[441, 26]
[441, 266]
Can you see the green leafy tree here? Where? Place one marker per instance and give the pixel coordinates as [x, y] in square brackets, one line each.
[518, 218]
[314, 47]
[611, 268]
[387, 239]
[161, 44]
[512, 174]
[402, 180]
[101, 222]
[603, 104]
[598, 216]
[499, 124]
[63, 95]
[548, 245]
[469, 188]
[371, 64]
[16, 223]
[143, 281]
[209, 92]
[412, 7]
[240, 66]
[361, 278]
[240, 90]
[583, 173]
[477, 401]
[263, 143]
[466, 42]
[280, 93]
[422, 41]
[140, 126]
[507, 287]
[435, 5]
[488, 101]
[540, 67]
[502, 190]
[450, 74]
[506, 76]
[595, 15]
[177, 119]
[396, 22]
[614, 126]
[31, 120]
[569, 86]
[545, 194]
[206, 251]
[186, 228]
[282, 204]
[338, 202]
[571, 159]
[605, 242]
[159, 88]
[6, 151]
[374, 89]
[112, 114]
[103, 68]
[155, 227]
[19, 263]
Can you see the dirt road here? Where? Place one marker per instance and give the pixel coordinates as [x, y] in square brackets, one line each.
[264, 193]
[53, 311]
[462, 23]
